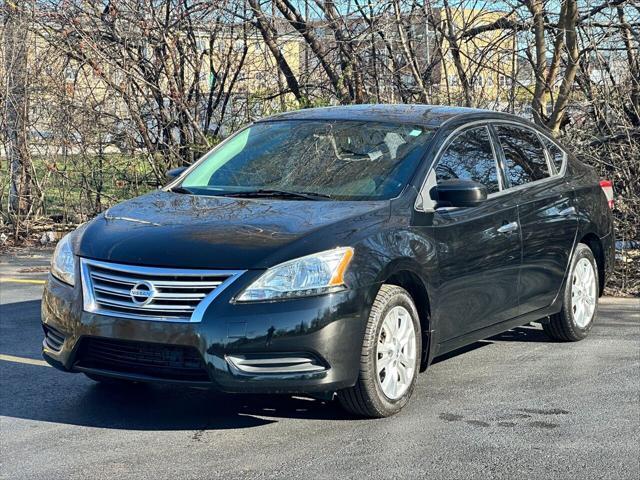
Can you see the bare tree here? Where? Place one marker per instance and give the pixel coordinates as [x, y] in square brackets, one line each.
[15, 106]
[159, 82]
[270, 36]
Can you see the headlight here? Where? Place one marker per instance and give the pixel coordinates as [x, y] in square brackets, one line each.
[63, 263]
[311, 275]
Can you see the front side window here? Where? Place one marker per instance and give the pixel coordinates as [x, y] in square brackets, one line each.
[525, 161]
[344, 160]
[470, 157]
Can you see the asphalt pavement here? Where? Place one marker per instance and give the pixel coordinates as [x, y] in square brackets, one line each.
[514, 406]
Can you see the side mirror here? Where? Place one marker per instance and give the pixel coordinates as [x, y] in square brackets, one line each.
[460, 193]
[174, 173]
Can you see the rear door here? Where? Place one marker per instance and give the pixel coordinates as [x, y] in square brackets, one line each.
[478, 248]
[548, 219]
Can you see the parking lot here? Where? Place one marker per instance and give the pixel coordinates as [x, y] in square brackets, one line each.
[514, 406]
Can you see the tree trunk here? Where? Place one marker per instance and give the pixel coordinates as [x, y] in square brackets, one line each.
[456, 54]
[573, 56]
[15, 109]
[633, 110]
[270, 38]
[409, 57]
[539, 101]
[299, 24]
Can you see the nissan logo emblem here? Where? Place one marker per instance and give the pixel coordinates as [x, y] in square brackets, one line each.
[142, 293]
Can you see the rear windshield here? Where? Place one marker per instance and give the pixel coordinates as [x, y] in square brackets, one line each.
[344, 160]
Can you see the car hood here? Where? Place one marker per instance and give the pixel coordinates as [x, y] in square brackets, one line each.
[188, 231]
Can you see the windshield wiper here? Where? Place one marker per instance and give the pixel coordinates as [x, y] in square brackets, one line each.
[264, 192]
[178, 189]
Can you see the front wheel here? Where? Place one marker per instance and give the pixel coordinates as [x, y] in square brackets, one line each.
[580, 301]
[390, 357]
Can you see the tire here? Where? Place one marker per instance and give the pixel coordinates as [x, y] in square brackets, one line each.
[105, 380]
[367, 397]
[570, 325]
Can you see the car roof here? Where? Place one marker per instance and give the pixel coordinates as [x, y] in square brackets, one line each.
[425, 115]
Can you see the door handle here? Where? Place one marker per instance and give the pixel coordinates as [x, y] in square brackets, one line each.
[508, 227]
[568, 211]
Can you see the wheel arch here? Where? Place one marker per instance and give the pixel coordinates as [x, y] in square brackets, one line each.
[407, 276]
[594, 243]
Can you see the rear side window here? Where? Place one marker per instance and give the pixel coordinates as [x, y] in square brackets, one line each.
[555, 154]
[470, 157]
[524, 155]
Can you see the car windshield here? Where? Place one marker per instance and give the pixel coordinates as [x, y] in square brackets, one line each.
[342, 160]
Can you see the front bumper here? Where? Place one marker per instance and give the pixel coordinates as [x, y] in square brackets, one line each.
[328, 329]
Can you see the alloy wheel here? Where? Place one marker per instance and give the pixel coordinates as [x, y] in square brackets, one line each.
[396, 353]
[583, 293]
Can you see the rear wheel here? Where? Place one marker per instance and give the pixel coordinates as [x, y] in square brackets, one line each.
[390, 357]
[580, 301]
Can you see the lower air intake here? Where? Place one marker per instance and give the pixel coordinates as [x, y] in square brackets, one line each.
[166, 362]
[53, 338]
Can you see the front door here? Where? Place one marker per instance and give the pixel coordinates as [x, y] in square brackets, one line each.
[478, 248]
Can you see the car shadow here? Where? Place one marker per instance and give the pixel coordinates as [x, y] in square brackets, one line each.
[37, 392]
[459, 351]
[526, 333]
[40, 393]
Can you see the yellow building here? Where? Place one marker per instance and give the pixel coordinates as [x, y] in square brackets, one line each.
[487, 61]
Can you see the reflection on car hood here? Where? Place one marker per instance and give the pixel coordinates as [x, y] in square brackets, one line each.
[177, 230]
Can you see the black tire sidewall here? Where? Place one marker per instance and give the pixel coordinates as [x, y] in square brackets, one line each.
[403, 299]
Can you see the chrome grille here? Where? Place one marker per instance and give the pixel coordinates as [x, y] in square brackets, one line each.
[150, 293]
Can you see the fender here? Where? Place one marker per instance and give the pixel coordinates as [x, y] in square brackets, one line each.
[409, 274]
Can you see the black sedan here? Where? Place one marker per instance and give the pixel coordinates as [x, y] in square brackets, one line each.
[334, 251]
